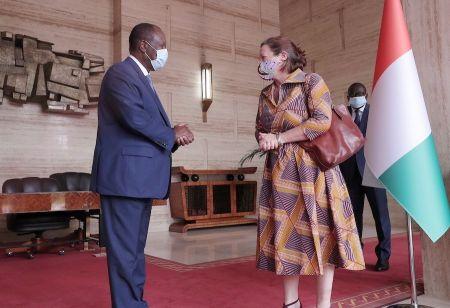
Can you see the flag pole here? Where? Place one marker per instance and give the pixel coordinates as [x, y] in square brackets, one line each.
[412, 267]
[412, 270]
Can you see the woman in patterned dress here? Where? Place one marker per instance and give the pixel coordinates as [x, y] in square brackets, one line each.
[306, 224]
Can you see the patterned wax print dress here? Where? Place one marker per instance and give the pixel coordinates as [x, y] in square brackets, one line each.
[305, 215]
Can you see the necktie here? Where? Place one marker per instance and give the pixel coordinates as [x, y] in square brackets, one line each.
[150, 82]
[357, 117]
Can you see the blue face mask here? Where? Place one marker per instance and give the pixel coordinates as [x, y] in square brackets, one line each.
[357, 102]
[161, 57]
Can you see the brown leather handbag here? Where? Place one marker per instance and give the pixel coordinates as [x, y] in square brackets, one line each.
[339, 143]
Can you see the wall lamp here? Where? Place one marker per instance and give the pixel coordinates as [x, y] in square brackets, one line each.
[207, 88]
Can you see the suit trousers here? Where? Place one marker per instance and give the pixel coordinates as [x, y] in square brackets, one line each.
[125, 225]
[378, 204]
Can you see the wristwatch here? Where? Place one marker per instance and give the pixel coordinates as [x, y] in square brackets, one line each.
[279, 140]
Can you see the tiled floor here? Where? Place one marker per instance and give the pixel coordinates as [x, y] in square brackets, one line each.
[207, 245]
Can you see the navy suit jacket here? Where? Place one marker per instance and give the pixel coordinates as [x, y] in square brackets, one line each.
[347, 167]
[135, 140]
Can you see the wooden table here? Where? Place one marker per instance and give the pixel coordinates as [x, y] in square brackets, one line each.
[50, 202]
[55, 201]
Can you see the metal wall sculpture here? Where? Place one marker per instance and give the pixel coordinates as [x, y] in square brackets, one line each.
[62, 82]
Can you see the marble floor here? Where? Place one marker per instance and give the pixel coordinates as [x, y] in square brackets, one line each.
[207, 245]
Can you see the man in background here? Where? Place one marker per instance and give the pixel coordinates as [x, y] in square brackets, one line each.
[353, 171]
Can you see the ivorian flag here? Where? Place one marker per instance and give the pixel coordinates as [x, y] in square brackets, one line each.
[400, 150]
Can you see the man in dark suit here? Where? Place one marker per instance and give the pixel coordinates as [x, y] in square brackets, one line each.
[353, 171]
[132, 160]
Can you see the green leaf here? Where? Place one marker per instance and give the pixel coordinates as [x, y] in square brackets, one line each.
[250, 155]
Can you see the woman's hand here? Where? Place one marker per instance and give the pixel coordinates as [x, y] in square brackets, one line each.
[267, 142]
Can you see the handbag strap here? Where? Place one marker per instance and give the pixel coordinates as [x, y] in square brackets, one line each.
[307, 93]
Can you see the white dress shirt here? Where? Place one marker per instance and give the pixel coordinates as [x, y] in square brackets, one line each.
[144, 71]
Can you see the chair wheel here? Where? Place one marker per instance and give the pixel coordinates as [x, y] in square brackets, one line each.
[30, 255]
[10, 253]
[61, 252]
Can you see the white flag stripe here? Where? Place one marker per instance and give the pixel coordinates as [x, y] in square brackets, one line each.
[370, 180]
[398, 119]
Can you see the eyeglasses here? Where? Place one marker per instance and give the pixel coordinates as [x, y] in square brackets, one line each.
[151, 45]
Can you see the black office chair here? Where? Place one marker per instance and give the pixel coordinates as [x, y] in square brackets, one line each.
[77, 181]
[72, 181]
[36, 223]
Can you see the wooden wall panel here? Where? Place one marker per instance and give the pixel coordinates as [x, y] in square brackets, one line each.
[248, 9]
[248, 36]
[319, 37]
[270, 12]
[221, 116]
[237, 77]
[326, 7]
[246, 115]
[37, 145]
[34, 143]
[294, 13]
[342, 68]
[270, 30]
[361, 24]
[200, 31]
[224, 33]
[86, 26]
[429, 26]
[85, 16]
[182, 73]
[195, 156]
[226, 154]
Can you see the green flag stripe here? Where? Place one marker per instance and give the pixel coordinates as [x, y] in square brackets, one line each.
[415, 181]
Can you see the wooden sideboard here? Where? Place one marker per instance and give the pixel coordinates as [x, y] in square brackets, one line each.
[212, 202]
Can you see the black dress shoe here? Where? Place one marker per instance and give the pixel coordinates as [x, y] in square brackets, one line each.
[382, 265]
